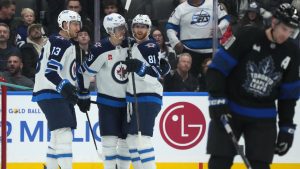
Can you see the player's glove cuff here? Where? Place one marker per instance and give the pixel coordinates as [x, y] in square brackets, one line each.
[84, 94]
[290, 129]
[84, 100]
[68, 91]
[285, 138]
[217, 107]
[60, 86]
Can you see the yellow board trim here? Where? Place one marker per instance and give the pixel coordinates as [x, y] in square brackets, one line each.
[159, 166]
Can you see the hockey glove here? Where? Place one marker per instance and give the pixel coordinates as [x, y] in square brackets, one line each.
[135, 65]
[84, 100]
[164, 66]
[218, 107]
[285, 139]
[68, 91]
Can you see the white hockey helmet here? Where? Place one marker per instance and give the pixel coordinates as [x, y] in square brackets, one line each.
[68, 16]
[142, 19]
[113, 21]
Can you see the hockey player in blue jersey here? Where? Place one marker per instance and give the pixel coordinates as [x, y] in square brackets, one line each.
[106, 61]
[55, 90]
[147, 69]
[255, 80]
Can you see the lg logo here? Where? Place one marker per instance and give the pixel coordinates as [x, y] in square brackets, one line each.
[182, 125]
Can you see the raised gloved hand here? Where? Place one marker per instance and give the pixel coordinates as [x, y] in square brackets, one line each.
[68, 91]
[218, 107]
[84, 100]
[135, 65]
[285, 139]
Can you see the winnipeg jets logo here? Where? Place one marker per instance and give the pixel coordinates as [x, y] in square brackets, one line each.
[261, 78]
[119, 72]
[201, 18]
[150, 45]
[256, 48]
[98, 44]
[73, 70]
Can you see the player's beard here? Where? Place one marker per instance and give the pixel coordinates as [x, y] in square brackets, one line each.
[140, 37]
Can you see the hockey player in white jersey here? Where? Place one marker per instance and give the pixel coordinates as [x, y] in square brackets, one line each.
[54, 89]
[106, 61]
[145, 65]
[190, 30]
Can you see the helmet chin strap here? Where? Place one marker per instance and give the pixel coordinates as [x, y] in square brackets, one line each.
[67, 30]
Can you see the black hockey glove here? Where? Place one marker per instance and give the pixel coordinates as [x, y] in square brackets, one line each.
[84, 100]
[164, 66]
[285, 139]
[218, 107]
[68, 91]
[135, 65]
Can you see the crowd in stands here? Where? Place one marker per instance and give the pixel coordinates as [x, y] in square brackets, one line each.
[21, 42]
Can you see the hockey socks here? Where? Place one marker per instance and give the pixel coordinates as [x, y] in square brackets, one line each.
[109, 151]
[63, 147]
[51, 159]
[141, 152]
[123, 160]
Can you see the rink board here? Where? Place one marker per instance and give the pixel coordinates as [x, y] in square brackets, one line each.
[179, 135]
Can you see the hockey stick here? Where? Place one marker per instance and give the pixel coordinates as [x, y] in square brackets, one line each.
[127, 5]
[93, 136]
[224, 120]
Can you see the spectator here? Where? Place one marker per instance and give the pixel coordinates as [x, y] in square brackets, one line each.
[252, 17]
[75, 5]
[5, 48]
[190, 29]
[181, 80]
[14, 73]
[166, 52]
[83, 45]
[28, 17]
[82, 50]
[109, 6]
[54, 7]
[32, 49]
[202, 83]
[7, 11]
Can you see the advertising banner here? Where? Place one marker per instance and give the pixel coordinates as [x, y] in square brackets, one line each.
[180, 132]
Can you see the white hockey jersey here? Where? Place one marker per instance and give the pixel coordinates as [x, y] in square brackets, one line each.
[193, 26]
[148, 88]
[106, 62]
[56, 63]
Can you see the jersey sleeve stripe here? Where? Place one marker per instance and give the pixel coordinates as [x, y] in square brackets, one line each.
[226, 17]
[55, 63]
[290, 90]
[86, 67]
[172, 26]
[48, 70]
[223, 62]
[198, 43]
